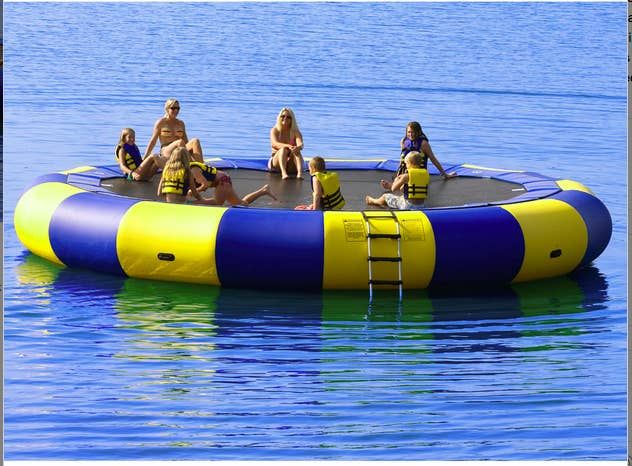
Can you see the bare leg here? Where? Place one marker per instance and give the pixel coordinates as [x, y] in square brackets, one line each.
[207, 201]
[298, 163]
[279, 161]
[380, 201]
[195, 148]
[146, 169]
[262, 191]
[165, 152]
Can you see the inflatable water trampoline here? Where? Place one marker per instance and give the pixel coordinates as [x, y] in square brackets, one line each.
[485, 227]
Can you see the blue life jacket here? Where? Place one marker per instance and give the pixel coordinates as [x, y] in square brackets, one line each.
[133, 159]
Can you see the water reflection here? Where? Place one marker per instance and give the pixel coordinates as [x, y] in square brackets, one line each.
[196, 318]
[586, 289]
[199, 366]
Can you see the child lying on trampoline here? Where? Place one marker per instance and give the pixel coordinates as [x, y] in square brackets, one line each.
[180, 179]
[413, 186]
[210, 177]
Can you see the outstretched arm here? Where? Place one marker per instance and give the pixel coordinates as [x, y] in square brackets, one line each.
[397, 183]
[159, 192]
[154, 138]
[425, 146]
[192, 187]
[317, 196]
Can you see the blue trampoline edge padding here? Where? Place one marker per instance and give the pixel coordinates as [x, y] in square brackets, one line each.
[83, 231]
[49, 178]
[484, 248]
[261, 248]
[590, 208]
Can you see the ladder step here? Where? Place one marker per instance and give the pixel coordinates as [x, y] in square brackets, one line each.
[391, 215]
[384, 235]
[385, 282]
[384, 259]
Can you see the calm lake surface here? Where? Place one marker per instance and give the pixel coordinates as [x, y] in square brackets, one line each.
[104, 368]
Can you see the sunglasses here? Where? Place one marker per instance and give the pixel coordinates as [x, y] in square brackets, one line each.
[283, 117]
[174, 108]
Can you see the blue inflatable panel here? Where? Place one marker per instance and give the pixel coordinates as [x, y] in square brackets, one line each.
[270, 249]
[390, 165]
[546, 185]
[487, 247]
[83, 231]
[521, 177]
[591, 209]
[249, 164]
[94, 188]
[50, 178]
[528, 196]
[93, 177]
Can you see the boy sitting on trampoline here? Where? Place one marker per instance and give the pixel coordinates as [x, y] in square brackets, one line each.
[325, 186]
[413, 184]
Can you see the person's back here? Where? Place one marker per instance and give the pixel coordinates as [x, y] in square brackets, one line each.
[326, 193]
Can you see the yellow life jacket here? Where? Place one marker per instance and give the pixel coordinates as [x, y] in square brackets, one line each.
[332, 197]
[417, 186]
[175, 183]
[208, 172]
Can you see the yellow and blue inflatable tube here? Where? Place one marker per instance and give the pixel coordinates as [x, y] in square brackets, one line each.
[553, 228]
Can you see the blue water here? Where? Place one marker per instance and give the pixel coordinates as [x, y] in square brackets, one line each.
[100, 367]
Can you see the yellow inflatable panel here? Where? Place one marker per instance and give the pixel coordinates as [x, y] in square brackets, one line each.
[346, 263]
[568, 185]
[169, 242]
[33, 215]
[555, 238]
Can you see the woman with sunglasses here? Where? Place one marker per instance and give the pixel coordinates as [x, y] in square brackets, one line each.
[286, 141]
[171, 133]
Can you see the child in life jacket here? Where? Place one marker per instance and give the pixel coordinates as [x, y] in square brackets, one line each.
[177, 179]
[130, 161]
[206, 177]
[325, 186]
[413, 186]
[416, 141]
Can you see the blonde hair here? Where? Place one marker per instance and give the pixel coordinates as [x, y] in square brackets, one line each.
[169, 103]
[317, 163]
[125, 132]
[415, 158]
[293, 127]
[178, 161]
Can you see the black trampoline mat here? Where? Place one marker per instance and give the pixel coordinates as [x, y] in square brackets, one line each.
[355, 185]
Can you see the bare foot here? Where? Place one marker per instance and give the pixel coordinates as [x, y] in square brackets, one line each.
[368, 200]
[266, 190]
[299, 176]
[284, 177]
